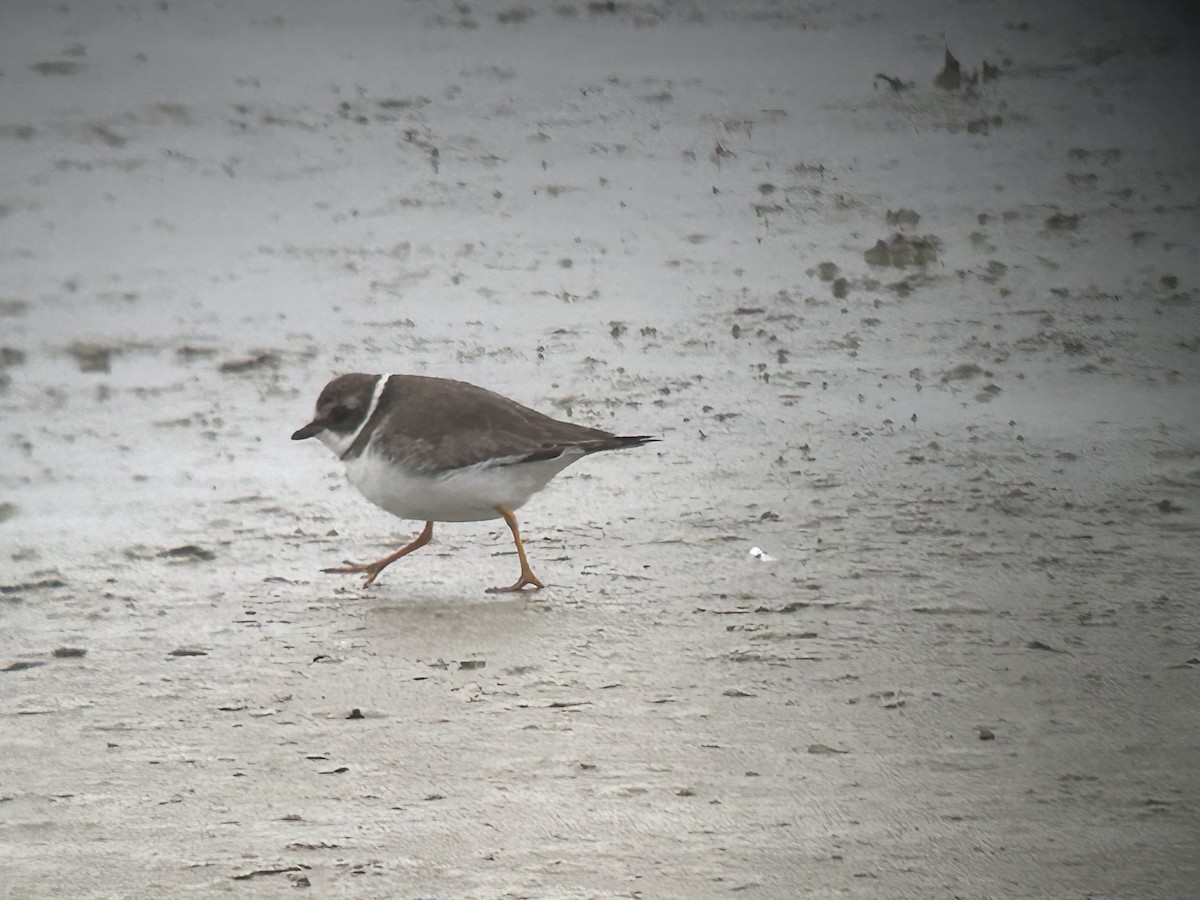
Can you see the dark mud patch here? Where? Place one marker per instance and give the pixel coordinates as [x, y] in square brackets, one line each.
[58, 67]
[902, 252]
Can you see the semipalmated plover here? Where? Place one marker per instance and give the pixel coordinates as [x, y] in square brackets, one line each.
[438, 450]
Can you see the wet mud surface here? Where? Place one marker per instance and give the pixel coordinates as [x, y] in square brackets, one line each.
[904, 604]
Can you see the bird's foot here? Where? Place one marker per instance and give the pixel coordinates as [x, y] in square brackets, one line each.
[527, 579]
[371, 570]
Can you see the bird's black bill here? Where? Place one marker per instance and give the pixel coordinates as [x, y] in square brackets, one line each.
[312, 428]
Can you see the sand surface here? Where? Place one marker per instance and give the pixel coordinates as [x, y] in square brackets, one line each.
[929, 340]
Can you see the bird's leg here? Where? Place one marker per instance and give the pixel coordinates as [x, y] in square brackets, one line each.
[527, 577]
[372, 570]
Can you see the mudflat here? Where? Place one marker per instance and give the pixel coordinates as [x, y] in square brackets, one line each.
[904, 603]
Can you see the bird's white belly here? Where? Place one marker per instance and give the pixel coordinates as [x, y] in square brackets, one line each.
[470, 494]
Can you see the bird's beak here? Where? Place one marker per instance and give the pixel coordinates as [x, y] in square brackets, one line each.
[310, 430]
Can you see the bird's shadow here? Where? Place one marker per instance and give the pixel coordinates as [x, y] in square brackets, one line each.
[457, 625]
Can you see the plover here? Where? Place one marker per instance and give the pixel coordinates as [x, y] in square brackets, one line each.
[439, 450]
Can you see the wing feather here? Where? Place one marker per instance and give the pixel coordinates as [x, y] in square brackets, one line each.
[435, 425]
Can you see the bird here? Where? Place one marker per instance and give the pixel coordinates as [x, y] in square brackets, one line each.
[440, 450]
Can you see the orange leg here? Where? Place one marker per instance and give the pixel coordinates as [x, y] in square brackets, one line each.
[372, 570]
[527, 577]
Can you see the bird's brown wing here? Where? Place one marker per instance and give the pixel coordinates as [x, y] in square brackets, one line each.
[435, 424]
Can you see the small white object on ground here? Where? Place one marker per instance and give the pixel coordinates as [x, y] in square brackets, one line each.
[761, 555]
